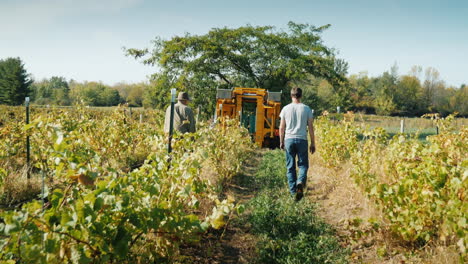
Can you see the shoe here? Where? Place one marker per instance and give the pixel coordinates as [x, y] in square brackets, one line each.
[299, 191]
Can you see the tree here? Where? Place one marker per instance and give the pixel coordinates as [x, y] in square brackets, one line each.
[431, 84]
[60, 90]
[157, 95]
[135, 96]
[460, 100]
[416, 71]
[53, 91]
[246, 56]
[408, 95]
[14, 81]
[316, 93]
[123, 88]
[383, 90]
[108, 97]
[94, 94]
[361, 93]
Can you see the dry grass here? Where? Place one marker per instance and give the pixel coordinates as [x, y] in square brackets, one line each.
[17, 188]
[361, 226]
[233, 243]
[412, 124]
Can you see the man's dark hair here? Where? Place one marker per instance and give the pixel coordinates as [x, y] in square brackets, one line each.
[296, 92]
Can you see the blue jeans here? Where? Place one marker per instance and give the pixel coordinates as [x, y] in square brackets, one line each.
[296, 147]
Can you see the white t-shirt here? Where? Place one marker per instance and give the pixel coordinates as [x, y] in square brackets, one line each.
[296, 117]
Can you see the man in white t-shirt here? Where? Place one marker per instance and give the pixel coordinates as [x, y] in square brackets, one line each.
[296, 117]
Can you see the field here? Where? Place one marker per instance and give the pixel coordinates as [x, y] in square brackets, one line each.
[424, 126]
[111, 194]
[102, 189]
[411, 191]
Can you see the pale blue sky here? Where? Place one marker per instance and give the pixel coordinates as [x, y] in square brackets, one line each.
[83, 39]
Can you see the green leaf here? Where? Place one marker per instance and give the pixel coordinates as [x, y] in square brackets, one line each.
[50, 245]
[121, 241]
[51, 218]
[133, 218]
[98, 203]
[57, 195]
[78, 256]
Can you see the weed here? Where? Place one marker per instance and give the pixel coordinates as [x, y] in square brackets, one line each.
[271, 172]
[288, 231]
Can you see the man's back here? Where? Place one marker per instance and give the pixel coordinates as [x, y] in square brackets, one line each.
[184, 120]
[296, 116]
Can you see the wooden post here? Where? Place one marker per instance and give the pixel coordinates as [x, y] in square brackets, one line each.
[141, 118]
[402, 126]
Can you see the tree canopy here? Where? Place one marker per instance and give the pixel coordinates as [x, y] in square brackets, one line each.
[249, 56]
[95, 94]
[407, 95]
[14, 81]
[51, 91]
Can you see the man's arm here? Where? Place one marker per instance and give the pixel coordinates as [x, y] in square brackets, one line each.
[312, 136]
[282, 131]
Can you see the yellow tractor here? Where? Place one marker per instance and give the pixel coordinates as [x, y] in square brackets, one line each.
[256, 109]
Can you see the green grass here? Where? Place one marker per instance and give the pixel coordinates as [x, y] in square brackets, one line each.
[288, 231]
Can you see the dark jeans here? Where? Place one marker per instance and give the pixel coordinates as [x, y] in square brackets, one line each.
[296, 148]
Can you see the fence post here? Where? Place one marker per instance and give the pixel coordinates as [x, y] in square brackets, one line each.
[141, 118]
[198, 114]
[402, 126]
[171, 122]
[43, 190]
[28, 147]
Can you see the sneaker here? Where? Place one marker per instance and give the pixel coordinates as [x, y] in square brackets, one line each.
[299, 192]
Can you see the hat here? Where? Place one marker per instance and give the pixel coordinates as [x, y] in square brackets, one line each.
[183, 96]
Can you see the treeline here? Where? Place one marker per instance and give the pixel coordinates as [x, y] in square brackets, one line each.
[262, 56]
[16, 84]
[413, 94]
[59, 91]
[14, 81]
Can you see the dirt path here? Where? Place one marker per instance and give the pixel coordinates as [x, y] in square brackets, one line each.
[344, 207]
[360, 226]
[341, 203]
[232, 244]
